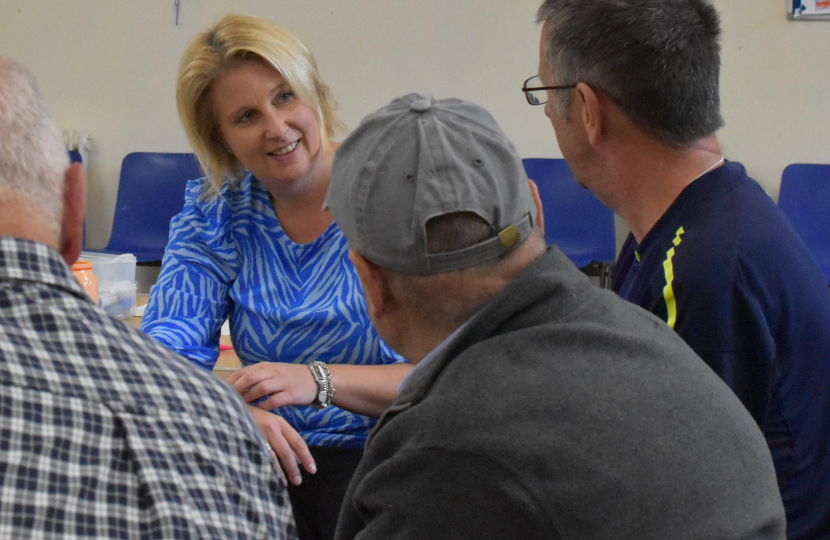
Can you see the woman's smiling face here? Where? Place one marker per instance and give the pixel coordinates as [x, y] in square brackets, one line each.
[266, 126]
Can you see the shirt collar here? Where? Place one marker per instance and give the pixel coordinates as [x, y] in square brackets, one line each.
[25, 260]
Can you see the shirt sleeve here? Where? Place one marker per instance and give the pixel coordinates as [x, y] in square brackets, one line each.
[190, 300]
[726, 323]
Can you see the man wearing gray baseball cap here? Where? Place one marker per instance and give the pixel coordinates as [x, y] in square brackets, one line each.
[541, 406]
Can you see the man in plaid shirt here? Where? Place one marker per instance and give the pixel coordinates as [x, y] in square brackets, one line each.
[103, 432]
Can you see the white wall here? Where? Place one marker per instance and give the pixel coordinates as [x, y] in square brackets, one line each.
[109, 67]
[775, 89]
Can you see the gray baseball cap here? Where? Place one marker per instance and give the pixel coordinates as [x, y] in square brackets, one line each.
[419, 158]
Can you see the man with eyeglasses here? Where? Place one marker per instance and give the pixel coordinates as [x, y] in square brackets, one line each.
[631, 89]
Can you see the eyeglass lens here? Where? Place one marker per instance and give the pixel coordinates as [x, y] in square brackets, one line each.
[535, 97]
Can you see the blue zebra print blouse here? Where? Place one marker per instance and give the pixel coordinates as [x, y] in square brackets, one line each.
[229, 258]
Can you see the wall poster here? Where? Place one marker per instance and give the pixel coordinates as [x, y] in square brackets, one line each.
[800, 10]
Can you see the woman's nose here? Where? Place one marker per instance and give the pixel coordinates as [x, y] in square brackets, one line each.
[275, 126]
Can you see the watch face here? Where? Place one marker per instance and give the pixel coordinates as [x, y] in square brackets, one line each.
[321, 397]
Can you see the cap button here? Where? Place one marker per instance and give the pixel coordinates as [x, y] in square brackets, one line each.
[421, 105]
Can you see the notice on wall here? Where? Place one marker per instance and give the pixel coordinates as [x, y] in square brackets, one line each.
[808, 9]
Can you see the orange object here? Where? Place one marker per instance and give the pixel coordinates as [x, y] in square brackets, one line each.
[83, 273]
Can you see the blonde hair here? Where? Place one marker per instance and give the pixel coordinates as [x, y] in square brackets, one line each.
[230, 42]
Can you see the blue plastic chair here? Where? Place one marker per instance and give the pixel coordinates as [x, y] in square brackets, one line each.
[579, 225]
[805, 200]
[150, 193]
[75, 157]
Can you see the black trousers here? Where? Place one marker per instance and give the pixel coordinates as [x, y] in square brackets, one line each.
[316, 501]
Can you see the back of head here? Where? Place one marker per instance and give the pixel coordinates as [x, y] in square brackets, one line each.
[231, 41]
[32, 155]
[658, 60]
[427, 186]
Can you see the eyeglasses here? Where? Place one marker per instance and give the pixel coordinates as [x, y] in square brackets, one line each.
[537, 95]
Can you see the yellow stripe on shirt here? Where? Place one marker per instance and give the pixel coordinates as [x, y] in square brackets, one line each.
[668, 291]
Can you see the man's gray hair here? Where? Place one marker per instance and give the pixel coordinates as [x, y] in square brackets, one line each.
[33, 158]
[658, 60]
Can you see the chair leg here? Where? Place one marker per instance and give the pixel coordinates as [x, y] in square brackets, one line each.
[607, 278]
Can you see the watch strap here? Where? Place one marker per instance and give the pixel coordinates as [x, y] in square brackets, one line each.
[325, 390]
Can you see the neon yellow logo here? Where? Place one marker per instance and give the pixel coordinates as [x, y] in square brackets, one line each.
[668, 291]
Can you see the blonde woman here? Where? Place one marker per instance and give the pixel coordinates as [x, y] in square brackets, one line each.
[253, 245]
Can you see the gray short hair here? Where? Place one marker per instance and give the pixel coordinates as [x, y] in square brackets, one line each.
[456, 230]
[33, 158]
[658, 60]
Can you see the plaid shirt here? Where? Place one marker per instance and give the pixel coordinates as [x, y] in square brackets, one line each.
[104, 433]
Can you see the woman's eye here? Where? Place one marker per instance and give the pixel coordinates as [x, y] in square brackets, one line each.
[245, 117]
[285, 97]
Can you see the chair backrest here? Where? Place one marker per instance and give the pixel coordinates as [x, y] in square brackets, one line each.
[579, 225]
[150, 193]
[75, 157]
[805, 200]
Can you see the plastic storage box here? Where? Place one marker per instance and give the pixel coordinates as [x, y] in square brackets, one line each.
[116, 282]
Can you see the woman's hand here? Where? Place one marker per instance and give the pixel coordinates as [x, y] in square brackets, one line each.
[281, 383]
[288, 446]
[366, 390]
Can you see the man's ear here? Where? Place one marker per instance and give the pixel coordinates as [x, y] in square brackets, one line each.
[74, 213]
[590, 112]
[375, 286]
[540, 216]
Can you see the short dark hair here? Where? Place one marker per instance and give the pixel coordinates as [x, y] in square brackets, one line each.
[456, 230]
[658, 60]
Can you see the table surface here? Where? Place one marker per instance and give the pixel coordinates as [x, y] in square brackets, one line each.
[227, 362]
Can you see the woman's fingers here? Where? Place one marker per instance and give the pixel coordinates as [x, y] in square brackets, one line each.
[300, 449]
[288, 459]
[282, 384]
[244, 378]
[288, 445]
[257, 381]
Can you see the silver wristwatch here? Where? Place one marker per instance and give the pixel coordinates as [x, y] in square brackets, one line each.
[325, 391]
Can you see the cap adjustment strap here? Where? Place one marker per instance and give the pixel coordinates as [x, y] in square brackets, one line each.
[507, 239]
